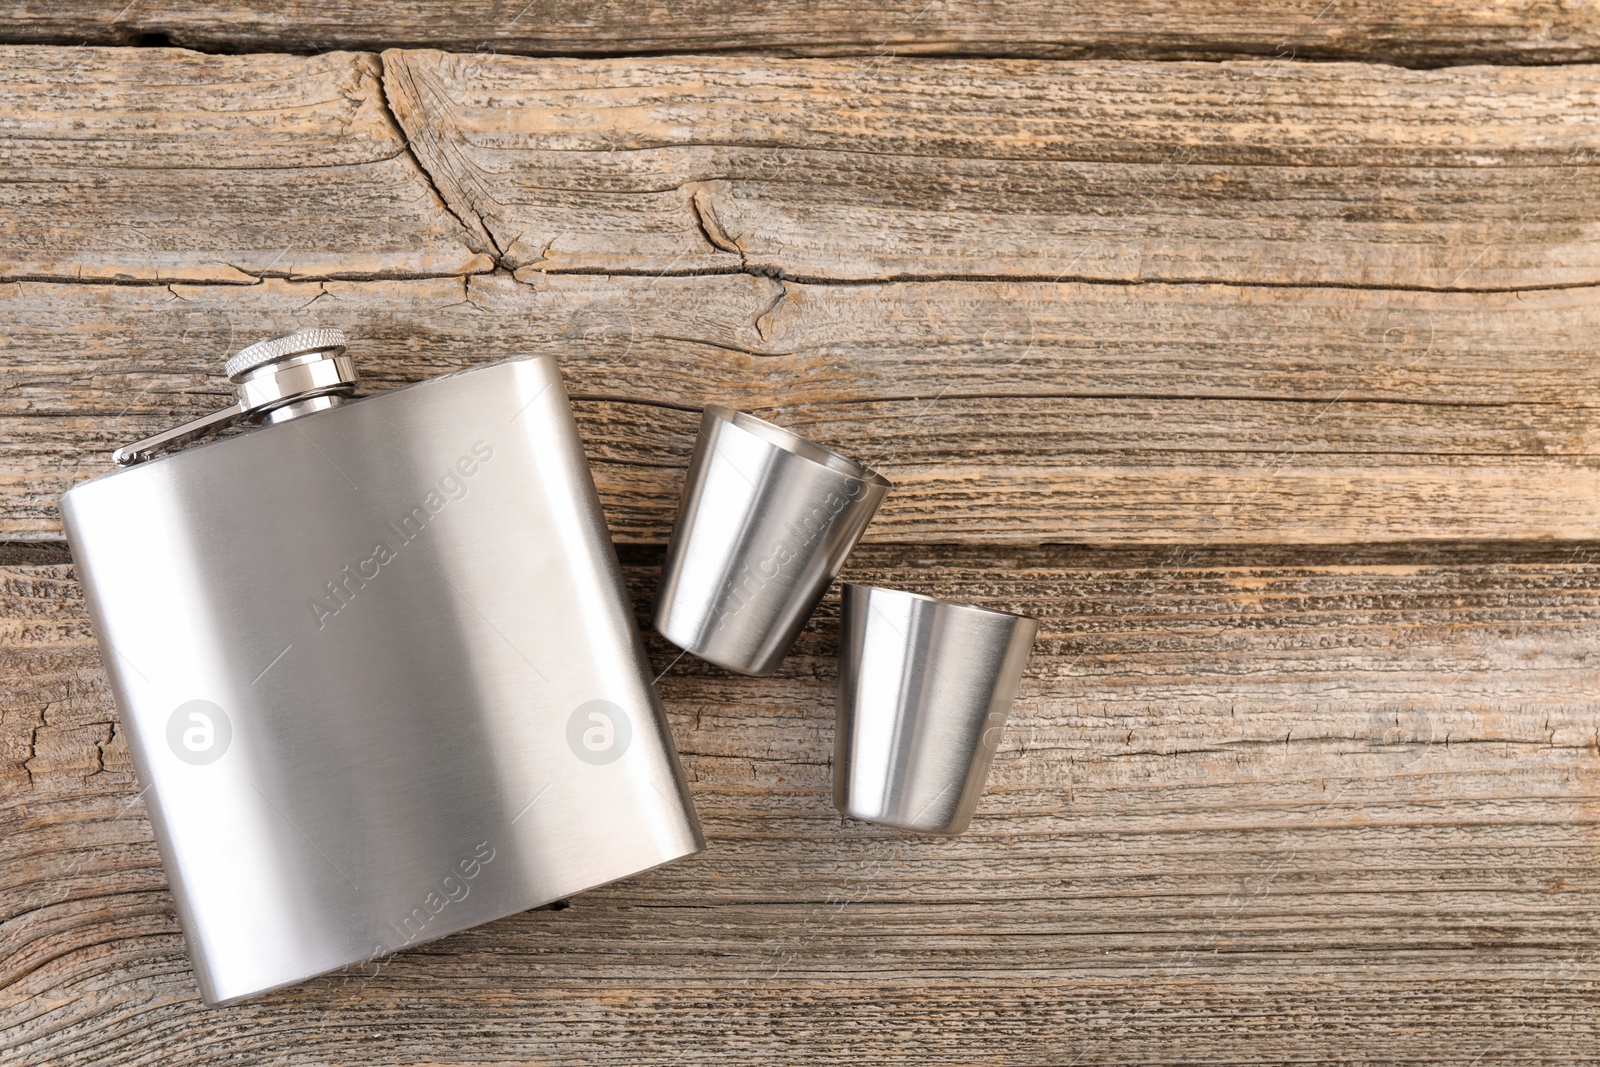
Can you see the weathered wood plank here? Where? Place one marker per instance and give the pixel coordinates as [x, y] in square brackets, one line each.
[1303, 805]
[124, 165]
[1003, 412]
[1416, 32]
[163, 165]
[1315, 174]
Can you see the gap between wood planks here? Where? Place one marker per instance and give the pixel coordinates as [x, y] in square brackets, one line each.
[1180, 555]
[1108, 52]
[1519, 33]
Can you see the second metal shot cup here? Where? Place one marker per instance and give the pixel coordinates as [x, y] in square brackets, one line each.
[924, 689]
[765, 523]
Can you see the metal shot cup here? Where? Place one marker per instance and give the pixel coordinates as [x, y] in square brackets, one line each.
[924, 689]
[766, 521]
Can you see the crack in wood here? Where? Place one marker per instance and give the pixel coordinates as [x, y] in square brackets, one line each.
[784, 276]
[476, 231]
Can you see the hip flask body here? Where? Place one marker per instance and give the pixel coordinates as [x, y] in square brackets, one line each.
[379, 673]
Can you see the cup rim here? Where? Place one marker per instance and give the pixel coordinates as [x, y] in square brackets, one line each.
[794, 444]
[979, 608]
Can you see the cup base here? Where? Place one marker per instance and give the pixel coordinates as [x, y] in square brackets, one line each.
[954, 829]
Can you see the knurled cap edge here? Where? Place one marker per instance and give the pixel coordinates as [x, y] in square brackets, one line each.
[295, 344]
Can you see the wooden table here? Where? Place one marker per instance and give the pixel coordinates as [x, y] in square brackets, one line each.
[1251, 348]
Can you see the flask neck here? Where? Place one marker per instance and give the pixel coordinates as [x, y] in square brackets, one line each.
[295, 409]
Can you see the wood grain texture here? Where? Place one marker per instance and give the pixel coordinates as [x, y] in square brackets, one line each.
[1414, 32]
[1003, 412]
[1267, 796]
[1244, 172]
[160, 165]
[1305, 805]
[120, 165]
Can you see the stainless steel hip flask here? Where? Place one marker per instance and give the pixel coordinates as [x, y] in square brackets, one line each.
[379, 674]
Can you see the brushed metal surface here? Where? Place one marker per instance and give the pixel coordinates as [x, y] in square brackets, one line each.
[764, 524]
[407, 611]
[924, 689]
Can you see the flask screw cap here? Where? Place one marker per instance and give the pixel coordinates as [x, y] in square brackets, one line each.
[299, 343]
